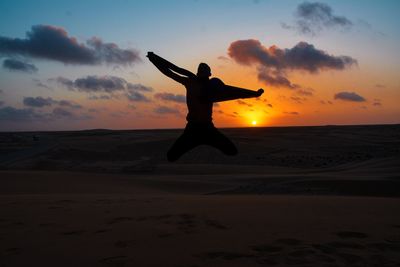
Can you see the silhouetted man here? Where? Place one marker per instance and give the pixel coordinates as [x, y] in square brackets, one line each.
[201, 93]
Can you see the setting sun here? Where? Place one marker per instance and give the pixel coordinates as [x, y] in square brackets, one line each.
[254, 123]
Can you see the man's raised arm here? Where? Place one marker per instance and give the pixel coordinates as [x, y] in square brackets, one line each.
[166, 67]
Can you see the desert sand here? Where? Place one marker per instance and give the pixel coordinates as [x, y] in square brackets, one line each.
[294, 196]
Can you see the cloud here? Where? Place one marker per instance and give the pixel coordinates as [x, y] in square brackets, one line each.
[137, 97]
[291, 113]
[223, 58]
[303, 56]
[1, 103]
[298, 100]
[63, 81]
[275, 78]
[377, 103]
[305, 92]
[139, 87]
[38, 83]
[67, 103]
[60, 112]
[349, 96]
[101, 84]
[166, 110]
[99, 97]
[14, 114]
[171, 97]
[119, 114]
[241, 102]
[38, 102]
[108, 86]
[313, 18]
[323, 102]
[54, 43]
[17, 65]
[274, 62]
[134, 92]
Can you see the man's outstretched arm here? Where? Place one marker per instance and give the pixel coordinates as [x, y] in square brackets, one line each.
[167, 67]
[222, 92]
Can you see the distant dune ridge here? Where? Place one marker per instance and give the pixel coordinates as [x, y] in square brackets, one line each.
[294, 196]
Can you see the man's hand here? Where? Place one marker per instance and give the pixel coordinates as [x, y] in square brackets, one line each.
[150, 55]
[260, 92]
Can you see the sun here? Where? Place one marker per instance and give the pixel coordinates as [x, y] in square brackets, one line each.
[254, 122]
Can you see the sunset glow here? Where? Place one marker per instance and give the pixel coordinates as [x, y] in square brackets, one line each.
[77, 70]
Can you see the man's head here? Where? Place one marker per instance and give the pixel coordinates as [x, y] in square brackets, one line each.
[203, 71]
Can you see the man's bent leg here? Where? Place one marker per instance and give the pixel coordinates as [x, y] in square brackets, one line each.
[183, 144]
[221, 142]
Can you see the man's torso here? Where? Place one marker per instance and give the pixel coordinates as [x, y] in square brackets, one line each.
[199, 101]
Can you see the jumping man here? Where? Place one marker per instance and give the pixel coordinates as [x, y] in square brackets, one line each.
[201, 93]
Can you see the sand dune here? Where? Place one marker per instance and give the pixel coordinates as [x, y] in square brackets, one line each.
[296, 196]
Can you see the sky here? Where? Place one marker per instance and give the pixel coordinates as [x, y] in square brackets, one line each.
[74, 65]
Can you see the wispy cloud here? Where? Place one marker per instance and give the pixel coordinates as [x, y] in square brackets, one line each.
[15, 114]
[39, 102]
[137, 97]
[171, 97]
[291, 112]
[107, 86]
[349, 96]
[12, 114]
[39, 83]
[377, 103]
[241, 102]
[98, 84]
[311, 18]
[17, 65]
[166, 110]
